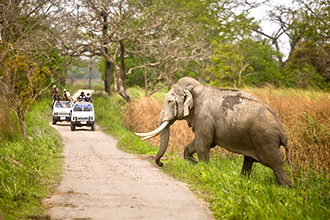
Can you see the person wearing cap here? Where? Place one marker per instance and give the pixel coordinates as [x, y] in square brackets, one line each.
[66, 96]
[55, 94]
[54, 90]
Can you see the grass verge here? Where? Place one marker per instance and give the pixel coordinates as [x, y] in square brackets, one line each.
[231, 195]
[30, 166]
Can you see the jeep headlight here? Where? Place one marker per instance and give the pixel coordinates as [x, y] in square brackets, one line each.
[90, 118]
[75, 118]
[55, 113]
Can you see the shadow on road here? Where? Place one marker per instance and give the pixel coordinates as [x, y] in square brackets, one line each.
[82, 129]
[66, 125]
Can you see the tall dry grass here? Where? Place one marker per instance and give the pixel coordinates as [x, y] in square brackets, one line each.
[306, 119]
[304, 114]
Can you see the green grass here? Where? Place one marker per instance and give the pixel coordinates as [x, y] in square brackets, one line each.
[231, 196]
[29, 167]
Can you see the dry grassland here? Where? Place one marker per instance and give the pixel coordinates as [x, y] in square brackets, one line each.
[305, 115]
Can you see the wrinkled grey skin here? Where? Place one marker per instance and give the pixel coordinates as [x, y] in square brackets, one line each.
[232, 119]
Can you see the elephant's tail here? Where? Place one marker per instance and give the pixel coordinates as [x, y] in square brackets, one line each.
[285, 143]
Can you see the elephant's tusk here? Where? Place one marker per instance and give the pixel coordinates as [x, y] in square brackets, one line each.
[155, 132]
[148, 137]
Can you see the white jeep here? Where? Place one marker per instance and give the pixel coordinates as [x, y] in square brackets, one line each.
[83, 115]
[62, 111]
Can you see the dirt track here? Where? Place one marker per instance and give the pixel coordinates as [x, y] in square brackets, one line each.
[102, 182]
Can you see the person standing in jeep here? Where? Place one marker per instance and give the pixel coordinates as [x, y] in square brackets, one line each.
[54, 94]
[82, 96]
[88, 98]
[66, 96]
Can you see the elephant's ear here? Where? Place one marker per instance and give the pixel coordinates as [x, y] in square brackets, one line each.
[188, 103]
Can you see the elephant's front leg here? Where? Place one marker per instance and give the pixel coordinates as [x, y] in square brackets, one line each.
[189, 151]
[203, 143]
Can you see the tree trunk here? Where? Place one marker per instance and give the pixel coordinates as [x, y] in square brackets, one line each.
[119, 84]
[90, 74]
[22, 124]
[108, 65]
[107, 78]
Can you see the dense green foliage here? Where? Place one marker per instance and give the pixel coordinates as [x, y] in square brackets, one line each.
[29, 166]
[231, 195]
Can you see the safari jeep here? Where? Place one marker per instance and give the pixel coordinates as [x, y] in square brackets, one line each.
[83, 115]
[62, 111]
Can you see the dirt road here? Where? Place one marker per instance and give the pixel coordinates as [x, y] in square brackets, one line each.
[102, 182]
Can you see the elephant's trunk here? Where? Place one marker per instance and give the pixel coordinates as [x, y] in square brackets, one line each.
[164, 131]
[166, 118]
[164, 138]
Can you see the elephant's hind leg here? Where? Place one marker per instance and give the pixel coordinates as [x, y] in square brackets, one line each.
[271, 157]
[281, 176]
[189, 151]
[247, 165]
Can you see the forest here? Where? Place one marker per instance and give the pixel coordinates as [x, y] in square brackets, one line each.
[153, 43]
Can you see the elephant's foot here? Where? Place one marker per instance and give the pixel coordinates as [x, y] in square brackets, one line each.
[159, 163]
[282, 178]
[189, 152]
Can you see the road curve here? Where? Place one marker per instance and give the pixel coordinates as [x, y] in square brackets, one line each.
[102, 182]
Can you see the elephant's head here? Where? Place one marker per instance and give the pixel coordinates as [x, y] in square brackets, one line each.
[177, 105]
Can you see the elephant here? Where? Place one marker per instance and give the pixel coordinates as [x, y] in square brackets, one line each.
[232, 119]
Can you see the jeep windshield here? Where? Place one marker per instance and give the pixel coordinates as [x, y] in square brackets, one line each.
[64, 104]
[83, 108]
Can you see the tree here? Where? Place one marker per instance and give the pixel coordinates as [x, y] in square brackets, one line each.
[229, 65]
[308, 66]
[261, 57]
[29, 56]
[166, 51]
[24, 25]
[313, 20]
[155, 31]
[247, 61]
[21, 81]
[303, 20]
[306, 24]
